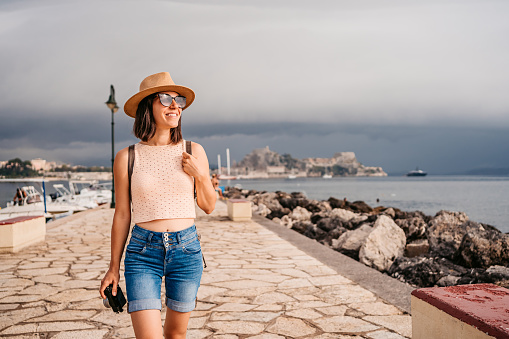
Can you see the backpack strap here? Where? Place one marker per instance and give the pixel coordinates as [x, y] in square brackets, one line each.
[189, 150]
[130, 161]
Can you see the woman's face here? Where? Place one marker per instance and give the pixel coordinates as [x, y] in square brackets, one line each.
[166, 117]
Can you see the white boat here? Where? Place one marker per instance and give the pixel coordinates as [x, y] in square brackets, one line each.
[85, 193]
[35, 204]
[327, 176]
[291, 176]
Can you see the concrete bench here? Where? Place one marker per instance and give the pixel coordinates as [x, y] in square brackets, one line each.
[464, 311]
[17, 233]
[239, 209]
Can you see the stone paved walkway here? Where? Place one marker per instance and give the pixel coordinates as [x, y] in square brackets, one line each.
[256, 286]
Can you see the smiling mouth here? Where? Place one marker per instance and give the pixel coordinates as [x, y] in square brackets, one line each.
[172, 115]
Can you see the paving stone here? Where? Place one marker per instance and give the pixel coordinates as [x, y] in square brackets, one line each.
[124, 332]
[197, 322]
[295, 283]
[205, 291]
[329, 280]
[64, 315]
[225, 336]
[4, 307]
[16, 282]
[269, 307]
[401, 324]
[198, 334]
[376, 308]
[236, 327]
[317, 270]
[21, 298]
[305, 313]
[42, 271]
[33, 265]
[46, 327]
[291, 327]
[272, 297]
[234, 307]
[267, 336]
[111, 318]
[294, 273]
[41, 289]
[336, 336]
[242, 284]
[344, 324]
[306, 304]
[346, 294]
[73, 295]
[245, 316]
[51, 279]
[305, 297]
[87, 334]
[384, 335]
[9, 318]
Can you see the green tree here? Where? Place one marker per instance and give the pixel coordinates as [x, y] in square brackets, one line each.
[17, 168]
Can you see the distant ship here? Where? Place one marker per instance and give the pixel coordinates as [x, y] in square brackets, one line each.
[416, 173]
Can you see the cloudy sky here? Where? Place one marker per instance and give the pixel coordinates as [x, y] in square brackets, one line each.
[400, 83]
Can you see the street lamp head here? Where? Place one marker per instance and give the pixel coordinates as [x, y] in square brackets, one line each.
[111, 103]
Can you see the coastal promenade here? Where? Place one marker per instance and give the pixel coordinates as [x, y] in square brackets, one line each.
[256, 285]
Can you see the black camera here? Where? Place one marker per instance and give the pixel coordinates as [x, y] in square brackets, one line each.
[114, 301]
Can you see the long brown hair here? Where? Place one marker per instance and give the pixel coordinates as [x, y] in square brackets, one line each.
[144, 126]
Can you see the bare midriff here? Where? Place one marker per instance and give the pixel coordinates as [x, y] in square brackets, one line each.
[167, 225]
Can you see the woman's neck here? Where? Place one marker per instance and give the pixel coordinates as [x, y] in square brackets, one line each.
[160, 138]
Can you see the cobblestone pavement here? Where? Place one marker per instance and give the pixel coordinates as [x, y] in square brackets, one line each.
[256, 285]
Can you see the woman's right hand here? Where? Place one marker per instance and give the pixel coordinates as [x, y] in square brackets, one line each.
[111, 277]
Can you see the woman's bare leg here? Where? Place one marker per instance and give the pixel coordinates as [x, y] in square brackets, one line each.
[175, 325]
[147, 324]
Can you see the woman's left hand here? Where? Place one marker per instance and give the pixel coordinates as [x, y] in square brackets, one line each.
[191, 165]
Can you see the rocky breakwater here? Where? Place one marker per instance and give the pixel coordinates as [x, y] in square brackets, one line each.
[442, 250]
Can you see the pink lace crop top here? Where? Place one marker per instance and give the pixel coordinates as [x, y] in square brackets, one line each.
[160, 187]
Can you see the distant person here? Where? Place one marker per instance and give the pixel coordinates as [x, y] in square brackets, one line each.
[215, 183]
[19, 197]
[164, 242]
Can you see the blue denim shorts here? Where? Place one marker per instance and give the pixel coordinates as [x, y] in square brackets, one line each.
[150, 256]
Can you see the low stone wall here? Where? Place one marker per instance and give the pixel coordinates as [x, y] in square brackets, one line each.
[467, 311]
[20, 232]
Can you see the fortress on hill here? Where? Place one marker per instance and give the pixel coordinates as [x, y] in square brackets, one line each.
[264, 163]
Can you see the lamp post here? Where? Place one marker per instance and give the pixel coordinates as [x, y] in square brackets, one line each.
[112, 104]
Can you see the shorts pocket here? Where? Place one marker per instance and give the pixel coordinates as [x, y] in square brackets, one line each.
[136, 246]
[193, 247]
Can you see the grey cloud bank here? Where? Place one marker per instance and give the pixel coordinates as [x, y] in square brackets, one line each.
[400, 83]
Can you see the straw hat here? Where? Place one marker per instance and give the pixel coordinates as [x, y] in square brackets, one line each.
[155, 83]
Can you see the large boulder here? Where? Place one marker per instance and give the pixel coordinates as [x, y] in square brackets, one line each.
[445, 234]
[343, 215]
[328, 224]
[426, 271]
[414, 228]
[261, 209]
[483, 246]
[350, 242]
[300, 214]
[383, 245]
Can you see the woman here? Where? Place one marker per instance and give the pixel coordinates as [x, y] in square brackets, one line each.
[163, 240]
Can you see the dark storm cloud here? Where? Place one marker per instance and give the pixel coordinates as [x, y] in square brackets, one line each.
[398, 82]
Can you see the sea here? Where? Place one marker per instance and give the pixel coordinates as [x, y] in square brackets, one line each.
[484, 199]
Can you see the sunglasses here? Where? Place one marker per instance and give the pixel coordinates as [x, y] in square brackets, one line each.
[167, 99]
